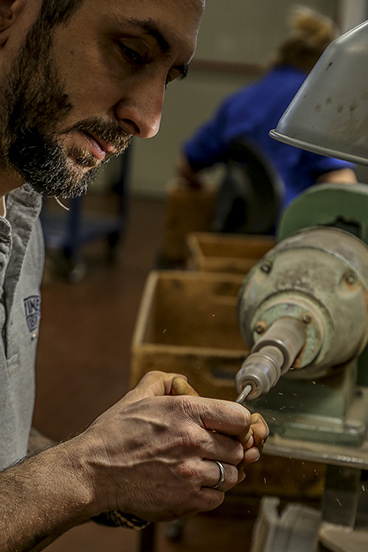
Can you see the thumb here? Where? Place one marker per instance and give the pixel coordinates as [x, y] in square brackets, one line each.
[153, 384]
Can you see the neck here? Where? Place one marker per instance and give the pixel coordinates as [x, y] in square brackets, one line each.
[9, 180]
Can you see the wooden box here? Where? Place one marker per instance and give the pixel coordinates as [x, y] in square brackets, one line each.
[186, 210]
[187, 323]
[230, 253]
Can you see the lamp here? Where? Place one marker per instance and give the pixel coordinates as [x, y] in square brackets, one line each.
[329, 114]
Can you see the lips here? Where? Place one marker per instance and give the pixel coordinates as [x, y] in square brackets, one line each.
[99, 148]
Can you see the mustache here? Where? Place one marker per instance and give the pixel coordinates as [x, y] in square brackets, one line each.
[109, 132]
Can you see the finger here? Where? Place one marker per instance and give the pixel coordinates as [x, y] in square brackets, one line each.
[223, 416]
[180, 386]
[257, 434]
[260, 430]
[250, 456]
[249, 442]
[154, 383]
[223, 448]
[220, 476]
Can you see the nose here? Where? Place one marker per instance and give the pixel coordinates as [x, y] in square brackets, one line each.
[139, 111]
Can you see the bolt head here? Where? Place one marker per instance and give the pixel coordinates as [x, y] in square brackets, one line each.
[266, 267]
[307, 318]
[260, 327]
[351, 278]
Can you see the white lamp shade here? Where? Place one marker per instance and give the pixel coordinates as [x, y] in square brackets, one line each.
[329, 114]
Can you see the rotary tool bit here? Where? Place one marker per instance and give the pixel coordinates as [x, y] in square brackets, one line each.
[271, 357]
[244, 394]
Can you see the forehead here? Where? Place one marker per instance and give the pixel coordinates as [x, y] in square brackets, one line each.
[177, 20]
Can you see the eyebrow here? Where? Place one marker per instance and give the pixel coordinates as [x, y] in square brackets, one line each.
[150, 28]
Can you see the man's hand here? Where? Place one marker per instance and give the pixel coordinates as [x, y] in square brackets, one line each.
[153, 454]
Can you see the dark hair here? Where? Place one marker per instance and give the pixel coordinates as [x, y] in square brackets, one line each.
[56, 12]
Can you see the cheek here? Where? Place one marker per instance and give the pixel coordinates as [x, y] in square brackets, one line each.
[91, 92]
[86, 79]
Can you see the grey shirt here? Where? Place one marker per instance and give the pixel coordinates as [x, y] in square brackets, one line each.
[21, 269]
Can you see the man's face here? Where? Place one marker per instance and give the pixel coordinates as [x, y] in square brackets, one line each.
[76, 94]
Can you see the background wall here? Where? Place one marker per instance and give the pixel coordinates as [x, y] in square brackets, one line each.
[237, 38]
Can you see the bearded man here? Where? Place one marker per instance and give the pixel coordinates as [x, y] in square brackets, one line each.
[78, 79]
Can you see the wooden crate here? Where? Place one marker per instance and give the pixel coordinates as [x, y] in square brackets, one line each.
[186, 210]
[187, 323]
[229, 253]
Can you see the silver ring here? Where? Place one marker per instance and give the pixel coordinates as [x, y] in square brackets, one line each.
[222, 475]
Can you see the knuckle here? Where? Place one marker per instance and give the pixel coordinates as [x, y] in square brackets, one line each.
[186, 471]
[151, 375]
[247, 416]
[186, 404]
[191, 439]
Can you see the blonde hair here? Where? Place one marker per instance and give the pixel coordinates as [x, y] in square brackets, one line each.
[311, 33]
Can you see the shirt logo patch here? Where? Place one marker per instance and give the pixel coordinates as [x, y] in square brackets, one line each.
[32, 306]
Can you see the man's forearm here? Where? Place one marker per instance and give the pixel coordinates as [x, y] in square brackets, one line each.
[42, 498]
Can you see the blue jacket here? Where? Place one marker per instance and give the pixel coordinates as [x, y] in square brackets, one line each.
[252, 113]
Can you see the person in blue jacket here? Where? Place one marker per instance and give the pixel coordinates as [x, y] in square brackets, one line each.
[254, 110]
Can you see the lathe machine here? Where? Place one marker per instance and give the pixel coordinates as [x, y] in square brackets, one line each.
[303, 313]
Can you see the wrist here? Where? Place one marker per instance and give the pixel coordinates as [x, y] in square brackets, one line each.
[74, 469]
[64, 470]
[98, 511]
[92, 467]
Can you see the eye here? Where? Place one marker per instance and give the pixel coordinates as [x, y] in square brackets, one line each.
[177, 73]
[132, 55]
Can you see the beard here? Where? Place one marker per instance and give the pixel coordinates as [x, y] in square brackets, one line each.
[34, 104]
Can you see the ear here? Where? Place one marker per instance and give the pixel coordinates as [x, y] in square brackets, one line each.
[6, 13]
[9, 10]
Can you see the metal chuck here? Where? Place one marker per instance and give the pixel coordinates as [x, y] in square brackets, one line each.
[272, 356]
